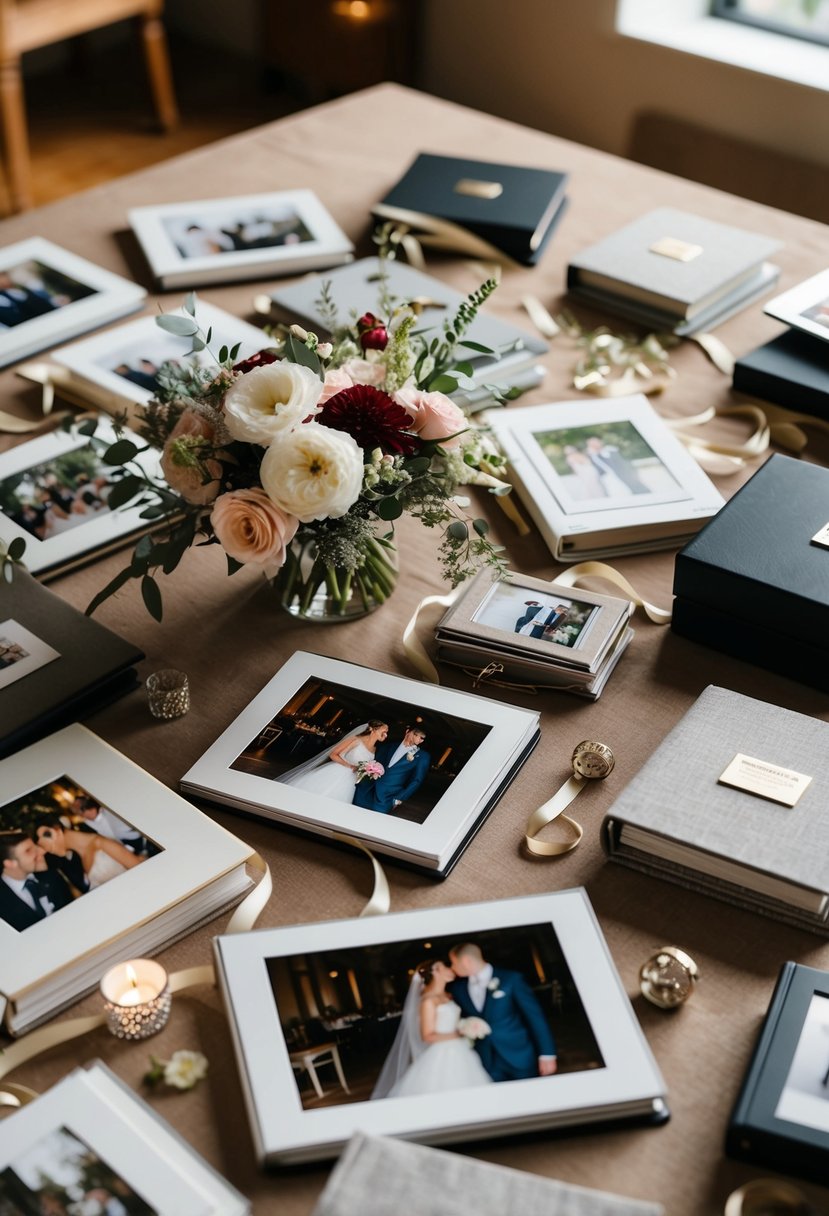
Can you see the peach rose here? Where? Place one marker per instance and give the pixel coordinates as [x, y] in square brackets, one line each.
[183, 463]
[434, 415]
[335, 381]
[252, 529]
[365, 371]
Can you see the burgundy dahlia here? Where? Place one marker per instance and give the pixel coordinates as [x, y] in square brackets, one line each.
[372, 419]
[258, 360]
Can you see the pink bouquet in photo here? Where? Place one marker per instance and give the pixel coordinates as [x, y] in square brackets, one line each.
[473, 1028]
[369, 768]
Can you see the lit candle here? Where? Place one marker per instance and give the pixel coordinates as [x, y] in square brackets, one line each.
[136, 998]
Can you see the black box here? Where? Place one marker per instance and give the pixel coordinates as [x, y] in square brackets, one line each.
[752, 583]
[791, 370]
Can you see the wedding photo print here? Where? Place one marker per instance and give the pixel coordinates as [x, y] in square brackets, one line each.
[513, 609]
[58, 843]
[31, 289]
[21, 652]
[357, 747]
[401, 1019]
[60, 1175]
[604, 465]
[805, 1095]
[62, 493]
[263, 226]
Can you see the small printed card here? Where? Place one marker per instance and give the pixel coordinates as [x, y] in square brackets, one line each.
[770, 781]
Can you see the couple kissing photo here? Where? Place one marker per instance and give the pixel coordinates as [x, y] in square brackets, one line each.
[398, 1020]
[370, 751]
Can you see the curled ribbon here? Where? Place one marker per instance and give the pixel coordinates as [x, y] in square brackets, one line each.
[380, 900]
[552, 809]
[437, 233]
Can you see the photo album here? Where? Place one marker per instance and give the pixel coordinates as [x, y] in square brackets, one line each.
[56, 664]
[90, 1146]
[539, 632]
[407, 768]
[781, 1116]
[604, 478]
[804, 307]
[55, 493]
[357, 289]
[100, 862]
[49, 295]
[119, 370]
[535, 1030]
[223, 240]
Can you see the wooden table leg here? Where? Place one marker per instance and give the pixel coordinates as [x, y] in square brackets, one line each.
[15, 134]
[160, 75]
[336, 1058]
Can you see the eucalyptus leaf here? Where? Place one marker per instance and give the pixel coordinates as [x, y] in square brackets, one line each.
[183, 327]
[480, 526]
[223, 353]
[482, 350]
[190, 303]
[151, 596]
[418, 465]
[458, 530]
[198, 344]
[443, 384]
[17, 548]
[88, 428]
[120, 452]
[389, 508]
[124, 490]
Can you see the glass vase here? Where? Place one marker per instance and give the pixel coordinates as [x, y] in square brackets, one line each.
[312, 590]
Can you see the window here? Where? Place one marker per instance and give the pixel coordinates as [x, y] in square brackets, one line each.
[807, 19]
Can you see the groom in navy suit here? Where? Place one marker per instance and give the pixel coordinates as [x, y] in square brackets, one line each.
[406, 765]
[520, 1044]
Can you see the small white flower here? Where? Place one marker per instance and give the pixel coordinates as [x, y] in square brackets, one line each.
[324, 350]
[185, 1068]
[313, 472]
[494, 984]
[270, 400]
[299, 333]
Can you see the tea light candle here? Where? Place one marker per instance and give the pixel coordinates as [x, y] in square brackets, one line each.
[137, 999]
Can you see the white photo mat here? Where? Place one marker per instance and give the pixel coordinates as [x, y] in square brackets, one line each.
[152, 226]
[446, 824]
[283, 1127]
[37, 652]
[132, 898]
[795, 306]
[94, 358]
[112, 297]
[92, 1104]
[102, 530]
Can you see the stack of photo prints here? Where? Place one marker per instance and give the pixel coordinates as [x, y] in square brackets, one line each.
[523, 629]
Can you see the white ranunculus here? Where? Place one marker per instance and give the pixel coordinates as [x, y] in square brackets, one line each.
[185, 1068]
[313, 472]
[269, 400]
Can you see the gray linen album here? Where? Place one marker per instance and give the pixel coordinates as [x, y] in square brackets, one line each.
[377, 1175]
[733, 802]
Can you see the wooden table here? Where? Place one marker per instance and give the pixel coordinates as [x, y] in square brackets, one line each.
[228, 636]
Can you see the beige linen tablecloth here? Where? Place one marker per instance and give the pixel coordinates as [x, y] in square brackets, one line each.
[228, 635]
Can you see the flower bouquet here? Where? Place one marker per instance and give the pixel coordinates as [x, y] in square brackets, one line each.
[473, 1029]
[372, 769]
[298, 460]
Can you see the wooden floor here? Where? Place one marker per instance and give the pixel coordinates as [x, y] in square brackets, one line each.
[91, 118]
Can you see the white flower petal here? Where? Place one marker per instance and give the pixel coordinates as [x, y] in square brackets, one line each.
[269, 400]
[313, 472]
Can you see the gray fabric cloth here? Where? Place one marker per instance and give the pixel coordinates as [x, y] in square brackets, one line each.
[376, 1176]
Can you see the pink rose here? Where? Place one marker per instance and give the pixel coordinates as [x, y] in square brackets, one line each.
[185, 460]
[252, 529]
[434, 415]
[335, 381]
[364, 371]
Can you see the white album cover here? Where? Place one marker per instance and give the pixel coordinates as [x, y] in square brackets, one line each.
[805, 307]
[543, 965]
[248, 236]
[126, 361]
[440, 755]
[54, 493]
[49, 295]
[89, 1144]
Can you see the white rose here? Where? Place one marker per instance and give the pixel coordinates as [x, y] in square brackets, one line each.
[185, 1068]
[313, 472]
[270, 400]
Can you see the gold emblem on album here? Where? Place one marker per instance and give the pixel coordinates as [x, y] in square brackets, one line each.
[478, 189]
[822, 537]
[673, 247]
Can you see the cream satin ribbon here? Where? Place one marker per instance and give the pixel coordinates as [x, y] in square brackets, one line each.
[436, 233]
[552, 809]
[416, 652]
[764, 1196]
[46, 376]
[380, 899]
[574, 576]
[243, 919]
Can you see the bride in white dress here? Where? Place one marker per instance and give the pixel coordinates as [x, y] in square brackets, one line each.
[333, 772]
[429, 1055]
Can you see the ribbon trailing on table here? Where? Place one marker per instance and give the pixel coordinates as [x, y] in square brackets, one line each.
[551, 810]
[435, 233]
[416, 652]
[380, 900]
[47, 376]
[243, 919]
[574, 577]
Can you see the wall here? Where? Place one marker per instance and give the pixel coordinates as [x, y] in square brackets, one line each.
[560, 66]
